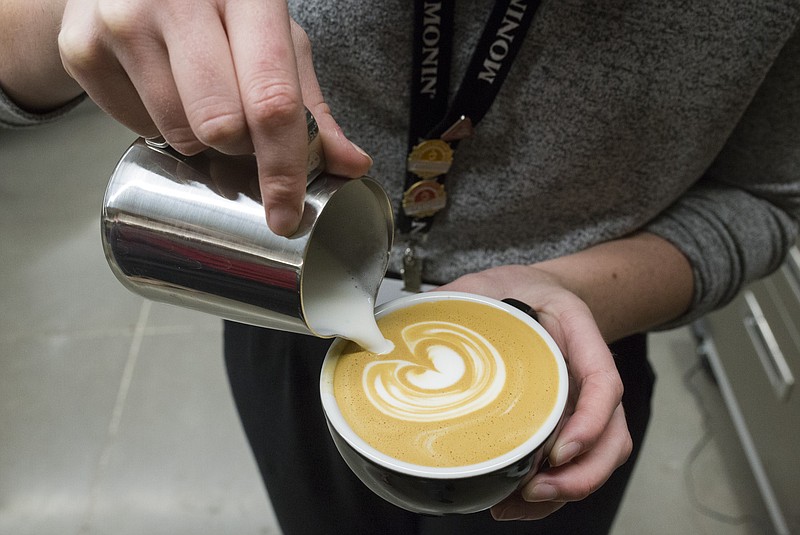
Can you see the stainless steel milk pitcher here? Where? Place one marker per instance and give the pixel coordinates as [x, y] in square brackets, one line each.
[191, 231]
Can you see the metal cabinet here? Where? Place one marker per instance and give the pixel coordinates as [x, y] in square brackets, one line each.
[753, 346]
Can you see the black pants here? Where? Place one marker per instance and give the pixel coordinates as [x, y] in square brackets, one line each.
[275, 381]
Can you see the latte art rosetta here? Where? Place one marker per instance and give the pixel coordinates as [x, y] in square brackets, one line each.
[449, 371]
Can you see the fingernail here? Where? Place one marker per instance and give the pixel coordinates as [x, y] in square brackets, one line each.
[362, 152]
[566, 453]
[283, 220]
[542, 493]
[513, 511]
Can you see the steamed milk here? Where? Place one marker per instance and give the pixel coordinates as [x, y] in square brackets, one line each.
[341, 305]
[464, 383]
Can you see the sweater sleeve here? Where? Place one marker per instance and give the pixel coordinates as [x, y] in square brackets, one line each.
[738, 222]
[12, 116]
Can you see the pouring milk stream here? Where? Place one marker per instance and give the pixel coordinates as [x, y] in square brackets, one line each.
[344, 307]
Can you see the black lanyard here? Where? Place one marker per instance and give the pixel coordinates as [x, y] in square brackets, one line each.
[435, 129]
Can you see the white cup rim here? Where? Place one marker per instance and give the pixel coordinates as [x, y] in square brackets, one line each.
[336, 419]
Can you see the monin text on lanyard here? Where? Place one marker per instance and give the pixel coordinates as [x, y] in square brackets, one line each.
[435, 129]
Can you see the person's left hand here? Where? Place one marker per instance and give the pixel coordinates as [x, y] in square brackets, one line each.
[594, 440]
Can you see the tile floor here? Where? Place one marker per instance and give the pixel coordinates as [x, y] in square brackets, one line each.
[115, 416]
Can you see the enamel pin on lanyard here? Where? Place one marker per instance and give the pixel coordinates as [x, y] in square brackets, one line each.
[436, 129]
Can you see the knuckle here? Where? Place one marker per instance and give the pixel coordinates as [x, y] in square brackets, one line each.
[585, 489]
[274, 103]
[81, 51]
[121, 20]
[610, 381]
[322, 109]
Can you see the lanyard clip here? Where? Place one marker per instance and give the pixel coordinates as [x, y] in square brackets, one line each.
[411, 271]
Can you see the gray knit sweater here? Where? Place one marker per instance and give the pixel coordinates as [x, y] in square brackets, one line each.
[12, 116]
[681, 118]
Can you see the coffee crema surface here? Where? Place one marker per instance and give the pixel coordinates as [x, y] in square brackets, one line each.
[465, 383]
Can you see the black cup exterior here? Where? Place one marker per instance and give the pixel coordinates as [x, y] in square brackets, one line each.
[434, 496]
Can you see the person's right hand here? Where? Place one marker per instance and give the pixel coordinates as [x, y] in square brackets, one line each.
[595, 439]
[233, 75]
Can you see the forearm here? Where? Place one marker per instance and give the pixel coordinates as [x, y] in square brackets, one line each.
[31, 73]
[630, 285]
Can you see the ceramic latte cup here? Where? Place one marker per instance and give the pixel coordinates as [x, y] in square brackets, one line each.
[460, 414]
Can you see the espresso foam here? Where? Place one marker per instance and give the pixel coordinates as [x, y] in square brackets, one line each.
[464, 383]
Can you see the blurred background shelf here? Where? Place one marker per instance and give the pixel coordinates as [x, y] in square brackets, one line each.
[753, 347]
